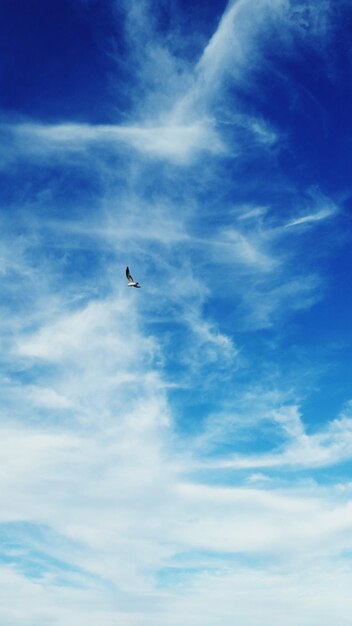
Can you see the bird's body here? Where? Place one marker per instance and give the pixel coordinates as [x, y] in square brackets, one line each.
[131, 282]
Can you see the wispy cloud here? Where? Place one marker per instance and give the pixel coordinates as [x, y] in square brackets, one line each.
[157, 462]
[174, 142]
[312, 217]
[329, 446]
[233, 48]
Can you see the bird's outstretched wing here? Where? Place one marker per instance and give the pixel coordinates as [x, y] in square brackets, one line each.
[128, 275]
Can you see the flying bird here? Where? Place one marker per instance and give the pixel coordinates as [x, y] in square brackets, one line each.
[131, 282]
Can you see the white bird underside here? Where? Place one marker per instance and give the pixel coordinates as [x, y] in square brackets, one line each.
[131, 282]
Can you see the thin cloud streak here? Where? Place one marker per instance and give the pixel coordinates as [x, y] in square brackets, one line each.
[312, 217]
[175, 142]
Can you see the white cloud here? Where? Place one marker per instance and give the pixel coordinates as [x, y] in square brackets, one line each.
[266, 303]
[233, 44]
[154, 523]
[312, 217]
[252, 213]
[41, 397]
[329, 446]
[91, 449]
[178, 142]
[250, 250]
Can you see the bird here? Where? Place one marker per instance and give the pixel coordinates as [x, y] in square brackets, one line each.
[131, 282]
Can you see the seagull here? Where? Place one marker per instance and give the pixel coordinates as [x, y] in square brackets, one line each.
[131, 282]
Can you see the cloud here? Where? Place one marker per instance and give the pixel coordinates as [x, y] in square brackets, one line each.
[137, 427]
[233, 48]
[329, 446]
[249, 250]
[288, 533]
[311, 218]
[175, 142]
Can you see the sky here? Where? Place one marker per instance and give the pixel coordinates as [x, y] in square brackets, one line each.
[181, 454]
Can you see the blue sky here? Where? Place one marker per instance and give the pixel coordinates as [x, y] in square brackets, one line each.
[181, 454]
